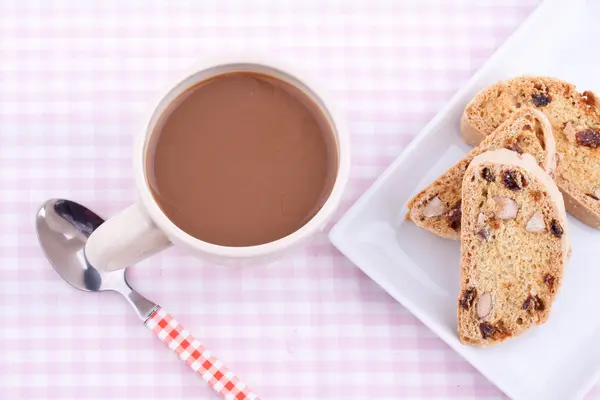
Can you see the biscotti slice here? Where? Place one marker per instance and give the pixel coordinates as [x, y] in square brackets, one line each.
[437, 208]
[514, 247]
[575, 119]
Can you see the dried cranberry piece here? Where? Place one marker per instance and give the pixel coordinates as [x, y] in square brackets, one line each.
[454, 216]
[549, 280]
[589, 98]
[556, 229]
[539, 304]
[487, 330]
[514, 147]
[541, 99]
[533, 302]
[468, 298]
[488, 175]
[528, 303]
[511, 180]
[588, 138]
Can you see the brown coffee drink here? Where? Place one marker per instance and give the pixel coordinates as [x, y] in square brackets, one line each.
[242, 159]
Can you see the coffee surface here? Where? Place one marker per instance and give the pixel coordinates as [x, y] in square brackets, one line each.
[241, 159]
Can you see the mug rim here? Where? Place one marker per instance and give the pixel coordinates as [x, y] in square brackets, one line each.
[315, 224]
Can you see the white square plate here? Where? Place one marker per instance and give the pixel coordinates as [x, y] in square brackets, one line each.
[559, 360]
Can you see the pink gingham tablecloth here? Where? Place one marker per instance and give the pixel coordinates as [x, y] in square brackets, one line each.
[74, 80]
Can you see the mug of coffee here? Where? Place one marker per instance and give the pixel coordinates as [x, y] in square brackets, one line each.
[237, 161]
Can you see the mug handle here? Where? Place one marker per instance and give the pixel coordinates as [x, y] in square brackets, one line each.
[125, 239]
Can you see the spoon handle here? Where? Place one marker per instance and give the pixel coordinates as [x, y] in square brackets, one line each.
[197, 357]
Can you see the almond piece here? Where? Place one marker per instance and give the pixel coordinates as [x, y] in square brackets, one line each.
[434, 208]
[536, 223]
[597, 193]
[570, 132]
[481, 218]
[505, 208]
[559, 157]
[484, 233]
[484, 305]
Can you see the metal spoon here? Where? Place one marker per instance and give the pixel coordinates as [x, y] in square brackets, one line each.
[63, 227]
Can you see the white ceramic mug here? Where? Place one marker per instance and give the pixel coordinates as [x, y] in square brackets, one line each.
[142, 229]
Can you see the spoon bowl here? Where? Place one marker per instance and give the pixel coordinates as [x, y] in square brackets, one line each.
[63, 227]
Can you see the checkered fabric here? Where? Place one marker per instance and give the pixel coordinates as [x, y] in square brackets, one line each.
[75, 79]
[197, 357]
